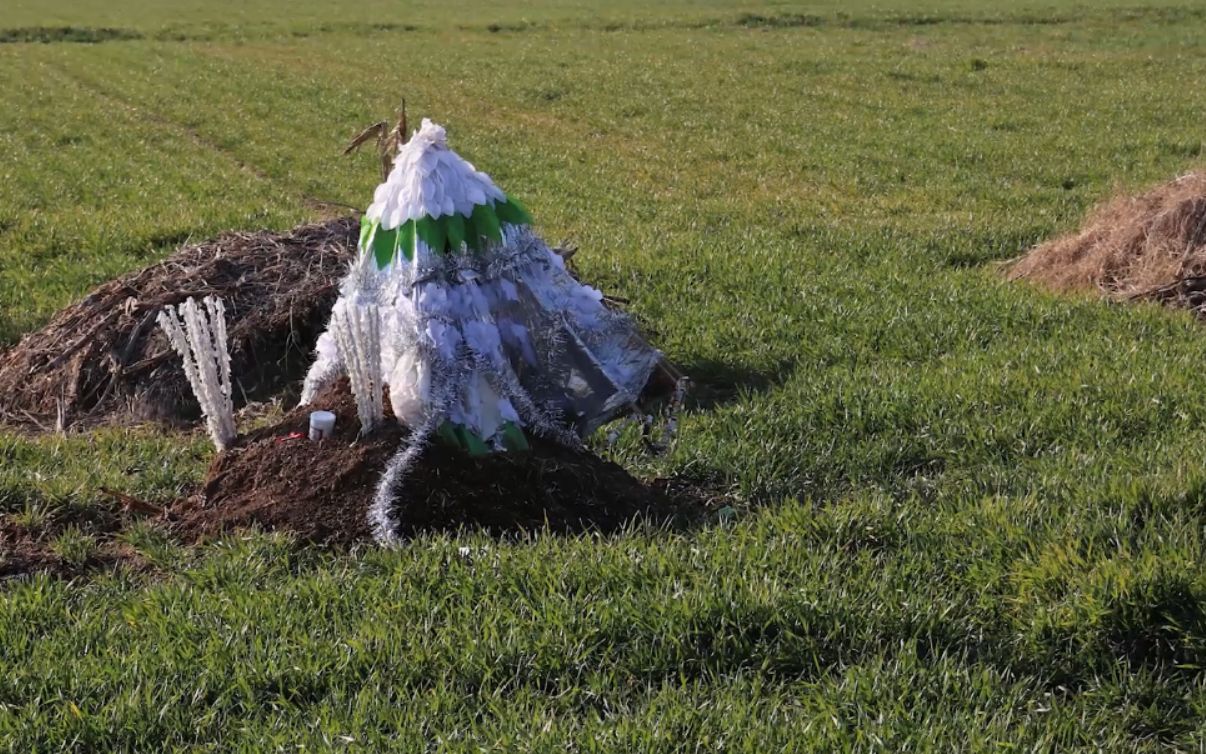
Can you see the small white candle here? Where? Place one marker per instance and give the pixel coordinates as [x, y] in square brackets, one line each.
[322, 425]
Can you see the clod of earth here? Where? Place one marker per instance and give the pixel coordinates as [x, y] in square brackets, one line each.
[103, 359]
[75, 540]
[1151, 246]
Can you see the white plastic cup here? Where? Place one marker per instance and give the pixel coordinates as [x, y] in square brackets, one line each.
[322, 425]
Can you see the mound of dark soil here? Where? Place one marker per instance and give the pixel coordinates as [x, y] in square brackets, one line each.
[1150, 246]
[277, 479]
[104, 358]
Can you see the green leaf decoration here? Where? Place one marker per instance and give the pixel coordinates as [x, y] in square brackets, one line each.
[367, 227]
[431, 232]
[473, 238]
[466, 440]
[472, 442]
[447, 433]
[463, 438]
[406, 240]
[512, 212]
[442, 234]
[514, 439]
[385, 245]
[454, 229]
[485, 223]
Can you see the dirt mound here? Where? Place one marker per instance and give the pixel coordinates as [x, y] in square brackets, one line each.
[277, 479]
[104, 358]
[1147, 246]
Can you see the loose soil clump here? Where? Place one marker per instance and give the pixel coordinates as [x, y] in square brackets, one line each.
[277, 479]
[1151, 246]
[105, 359]
[44, 547]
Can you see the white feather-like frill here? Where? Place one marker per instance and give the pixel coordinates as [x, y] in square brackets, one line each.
[429, 179]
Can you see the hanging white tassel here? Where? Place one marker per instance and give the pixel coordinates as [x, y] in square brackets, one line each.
[327, 368]
[200, 339]
[356, 329]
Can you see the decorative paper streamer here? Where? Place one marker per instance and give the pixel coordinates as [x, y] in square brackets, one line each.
[199, 337]
[357, 332]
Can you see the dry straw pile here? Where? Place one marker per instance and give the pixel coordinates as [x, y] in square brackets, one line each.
[1151, 246]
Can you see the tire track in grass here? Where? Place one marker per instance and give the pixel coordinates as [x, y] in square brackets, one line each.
[508, 117]
[289, 137]
[159, 118]
[74, 190]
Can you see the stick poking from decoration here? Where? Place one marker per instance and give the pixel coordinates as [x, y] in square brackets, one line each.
[199, 336]
[388, 141]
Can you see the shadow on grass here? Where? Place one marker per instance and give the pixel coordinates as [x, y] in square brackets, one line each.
[715, 383]
[1160, 624]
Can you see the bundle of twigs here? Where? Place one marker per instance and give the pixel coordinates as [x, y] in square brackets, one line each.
[103, 358]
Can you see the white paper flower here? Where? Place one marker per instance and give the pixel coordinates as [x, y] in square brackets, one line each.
[483, 338]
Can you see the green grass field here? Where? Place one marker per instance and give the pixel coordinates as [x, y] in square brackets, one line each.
[970, 514]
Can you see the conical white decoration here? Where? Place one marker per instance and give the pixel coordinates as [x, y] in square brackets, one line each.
[483, 343]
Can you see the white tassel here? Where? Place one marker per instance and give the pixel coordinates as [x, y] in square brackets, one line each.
[200, 339]
[357, 333]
